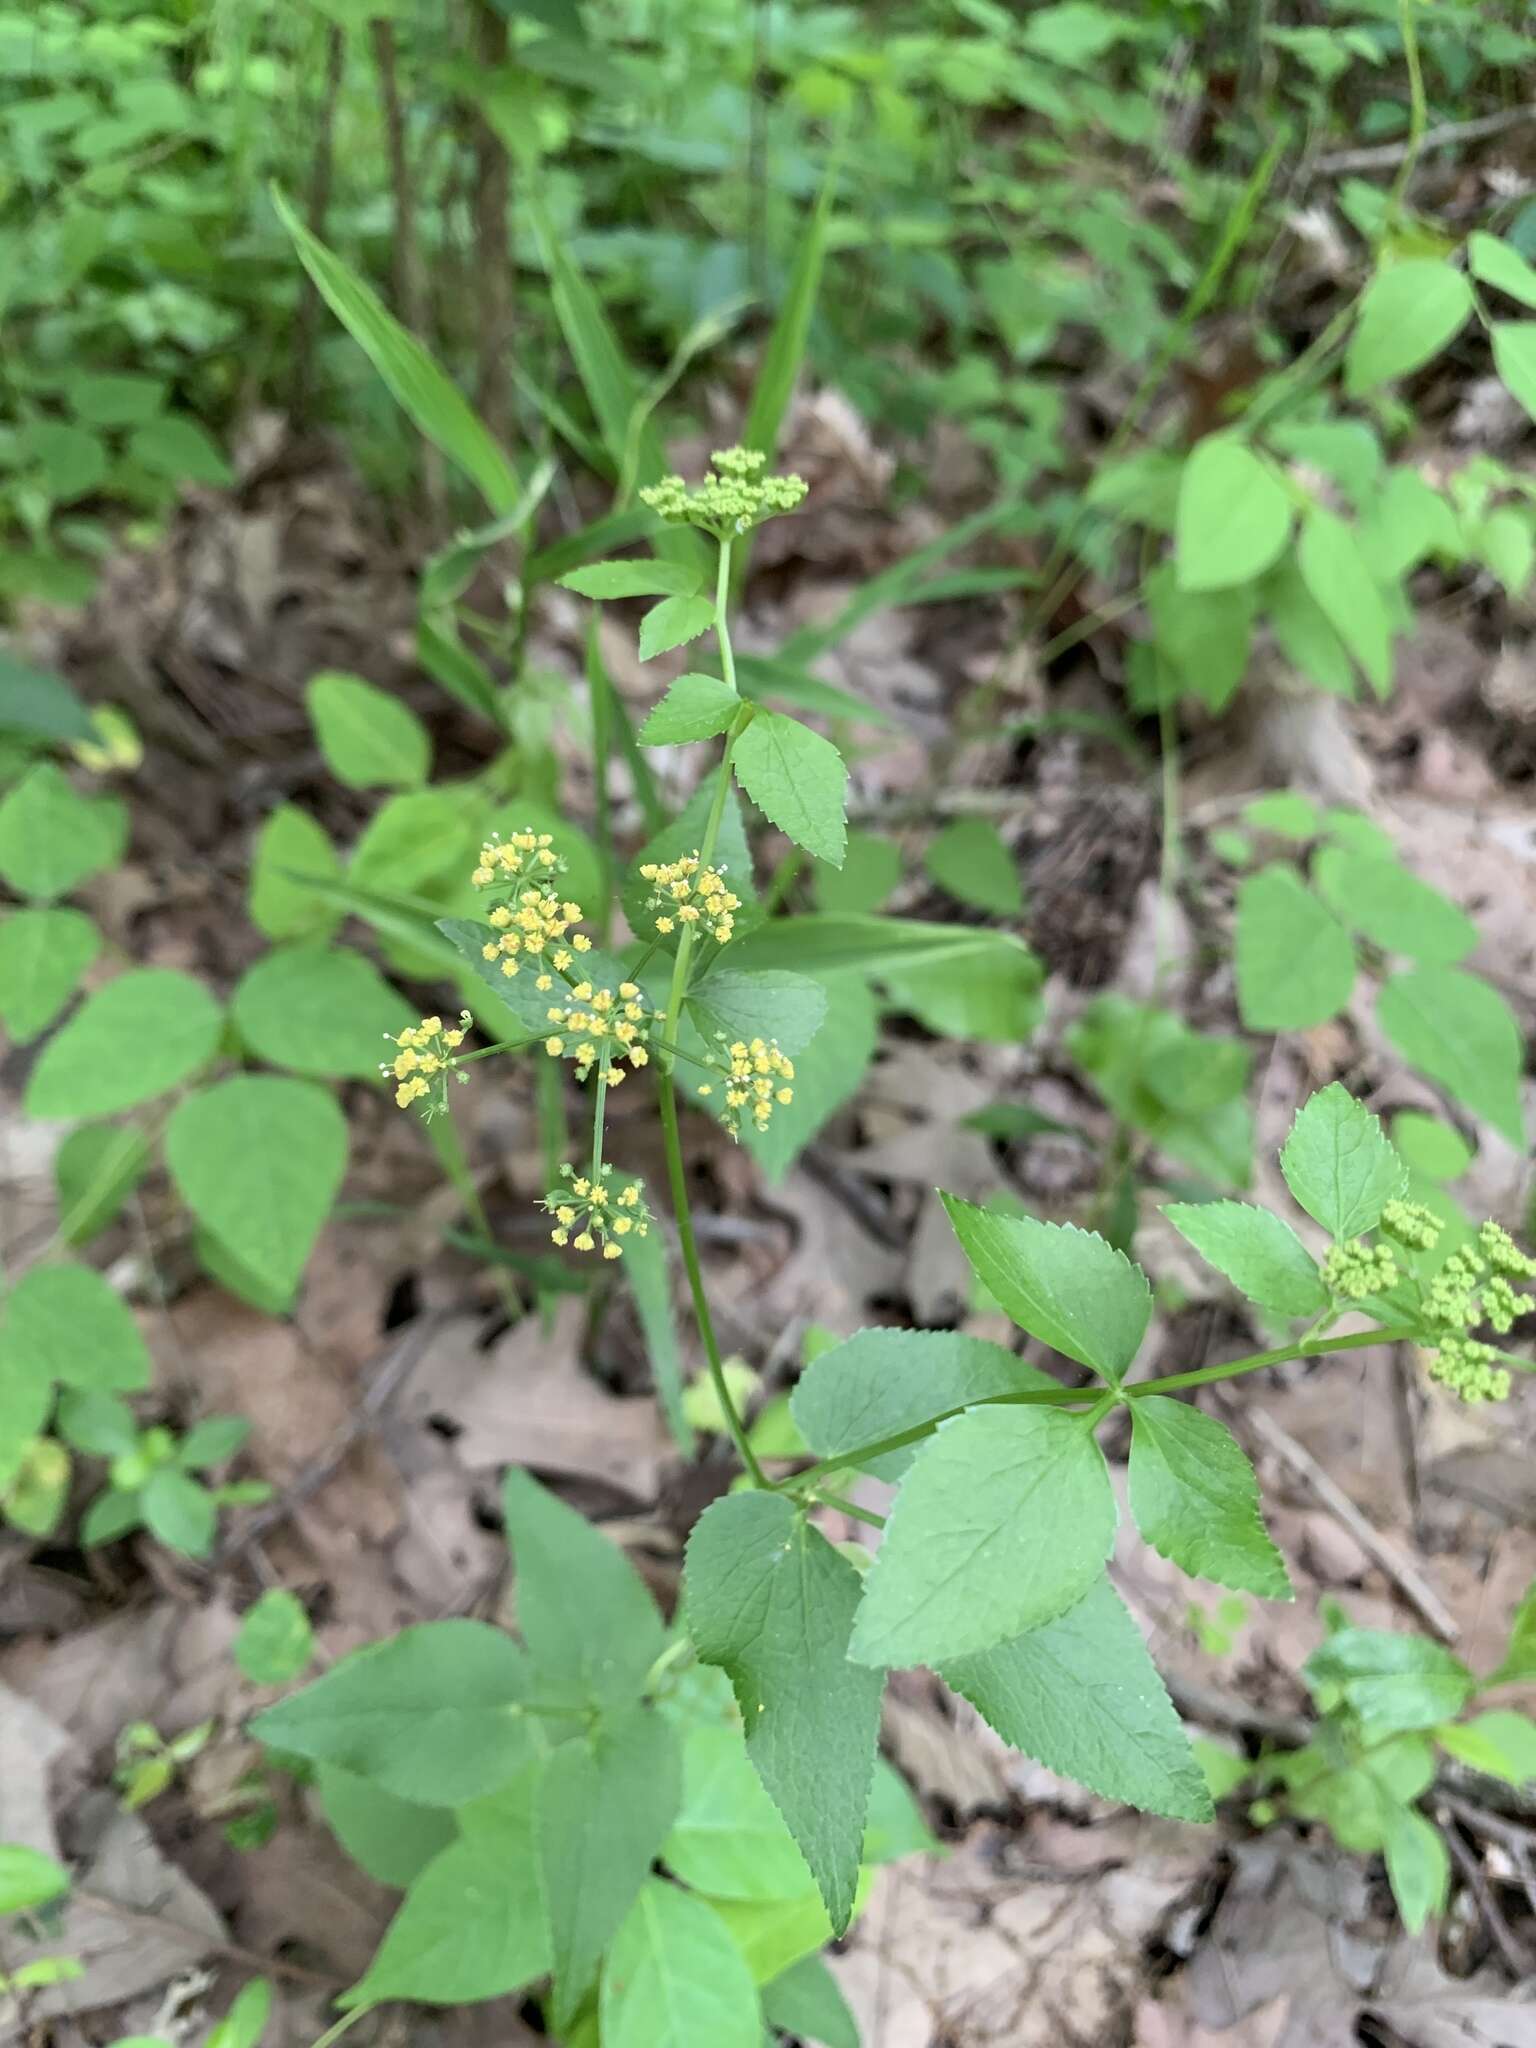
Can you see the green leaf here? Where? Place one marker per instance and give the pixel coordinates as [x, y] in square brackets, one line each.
[1082, 1697]
[1196, 1501]
[881, 1383]
[40, 705]
[845, 1048]
[179, 448]
[785, 352]
[583, 1610]
[798, 781]
[970, 861]
[213, 1441]
[1204, 637]
[964, 1564]
[673, 622]
[434, 1714]
[96, 1169]
[290, 846]
[51, 839]
[370, 740]
[178, 1512]
[1295, 964]
[246, 2021]
[43, 955]
[1408, 313]
[1339, 578]
[647, 1270]
[674, 1978]
[129, 1042]
[98, 1423]
[1304, 632]
[64, 1323]
[694, 708]
[1514, 357]
[632, 579]
[1429, 1147]
[1392, 908]
[1418, 1865]
[729, 1839]
[123, 400]
[772, 1603]
[1519, 1660]
[414, 380]
[472, 1924]
[1257, 1250]
[774, 1934]
[805, 2000]
[392, 1839]
[417, 838]
[1499, 1743]
[1393, 1683]
[1409, 522]
[291, 1143]
[1233, 517]
[985, 989]
[765, 1003]
[1063, 1285]
[1338, 1164]
[1462, 1033]
[275, 1640]
[319, 1010]
[1498, 264]
[28, 1878]
[870, 871]
[608, 1801]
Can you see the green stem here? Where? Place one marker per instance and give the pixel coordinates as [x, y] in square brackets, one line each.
[682, 1210]
[1418, 113]
[599, 695]
[848, 1507]
[599, 1102]
[1089, 1403]
[349, 2019]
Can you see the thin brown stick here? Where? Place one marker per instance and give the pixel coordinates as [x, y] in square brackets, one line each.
[321, 175]
[1383, 156]
[1516, 1956]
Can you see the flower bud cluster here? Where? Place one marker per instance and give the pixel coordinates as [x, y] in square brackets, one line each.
[597, 1210]
[424, 1060]
[1358, 1270]
[733, 497]
[531, 926]
[1412, 1225]
[686, 894]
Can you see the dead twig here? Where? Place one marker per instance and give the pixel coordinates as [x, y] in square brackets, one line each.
[1510, 1947]
[1383, 155]
[1412, 1584]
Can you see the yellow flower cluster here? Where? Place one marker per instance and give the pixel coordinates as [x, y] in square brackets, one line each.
[531, 928]
[685, 893]
[525, 853]
[424, 1061]
[734, 495]
[595, 1020]
[755, 1081]
[592, 1210]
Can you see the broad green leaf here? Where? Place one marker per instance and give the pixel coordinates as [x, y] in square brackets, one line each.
[1499, 1743]
[988, 989]
[1204, 637]
[414, 380]
[674, 622]
[42, 706]
[870, 871]
[1435, 1149]
[290, 1140]
[694, 708]
[674, 1978]
[583, 1610]
[129, 1042]
[51, 838]
[290, 846]
[771, 1602]
[43, 955]
[1519, 1661]
[882, 1383]
[1233, 517]
[64, 1323]
[1285, 813]
[1392, 908]
[390, 1838]
[433, 1715]
[1081, 1696]
[1196, 1501]
[1408, 523]
[101, 1424]
[179, 448]
[1514, 357]
[1306, 635]
[319, 1010]
[774, 1934]
[1003, 1522]
[179, 1512]
[1295, 964]
[275, 1640]
[1461, 1032]
[729, 1839]
[417, 838]
[798, 781]
[1348, 451]
[1418, 1865]
[28, 1878]
[969, 860]
[1257, 1250]
[213, 1441]
[764, 1003]
[1506, 542]
[370, 740]
[246, 2021]
[1502, 266]
[1393, 1683]
[1338, 1164]
[632, 579]
[605, 1807]
[1408, 313]
[472, 1924]
[845, 1048]
[1063, 1285]
[1339, 578]
[805, 2000]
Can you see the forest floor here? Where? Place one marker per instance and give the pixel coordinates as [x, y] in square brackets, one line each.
[383, 1410]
